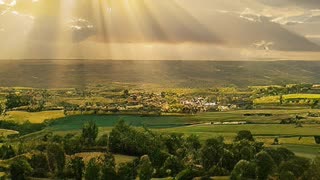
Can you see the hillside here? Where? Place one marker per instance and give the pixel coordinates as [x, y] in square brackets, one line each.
[78, 73]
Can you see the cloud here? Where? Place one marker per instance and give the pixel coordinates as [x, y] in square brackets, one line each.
[287, 3]
[57, 28]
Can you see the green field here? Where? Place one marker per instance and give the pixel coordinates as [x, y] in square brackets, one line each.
[76, 122]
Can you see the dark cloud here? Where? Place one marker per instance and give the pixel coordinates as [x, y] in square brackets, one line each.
[313, 4]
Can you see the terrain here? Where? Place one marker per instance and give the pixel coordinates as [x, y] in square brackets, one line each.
[80, 73]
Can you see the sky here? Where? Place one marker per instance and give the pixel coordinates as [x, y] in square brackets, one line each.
[160, 29]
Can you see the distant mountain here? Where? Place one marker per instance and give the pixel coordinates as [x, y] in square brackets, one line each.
[79, 73]
[251, 29]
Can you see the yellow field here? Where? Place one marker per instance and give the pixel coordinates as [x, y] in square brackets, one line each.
[6, 132]
[36, 117]
[276, 99]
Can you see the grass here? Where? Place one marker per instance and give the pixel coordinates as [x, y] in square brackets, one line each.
[308, 151]
[35, 117]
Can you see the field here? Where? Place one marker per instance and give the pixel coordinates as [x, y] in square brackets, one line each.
[118, 157]
[76, 122]
[264, 124]
[287, 97]
[36, 117]
[6, 132]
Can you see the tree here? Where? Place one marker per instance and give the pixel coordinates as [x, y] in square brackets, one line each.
[286, 175]
[7, 151]
[193, 142]
[243, 170]
[56, 158]
[313, 173]
[172, 166]
[92, 170]
[317, 139]
[14, 100]
[72, 144]
[128, 171]
[211, 153]
[89, 133]
[297, 165]
[77, 166]
[265, 165]
[280, 155]
[244, 135]
[173, 142]
[108, 167]
[145, 169]
[103, 140]
[188, 173]
[20, 169]
[39, 164]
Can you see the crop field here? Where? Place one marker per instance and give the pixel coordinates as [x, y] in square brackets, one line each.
[36, 117]
[76, 122]
[287, 97]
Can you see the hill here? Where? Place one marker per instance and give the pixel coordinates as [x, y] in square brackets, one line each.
[79, 73]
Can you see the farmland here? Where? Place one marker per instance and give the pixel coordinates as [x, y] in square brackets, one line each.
[143, 119]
